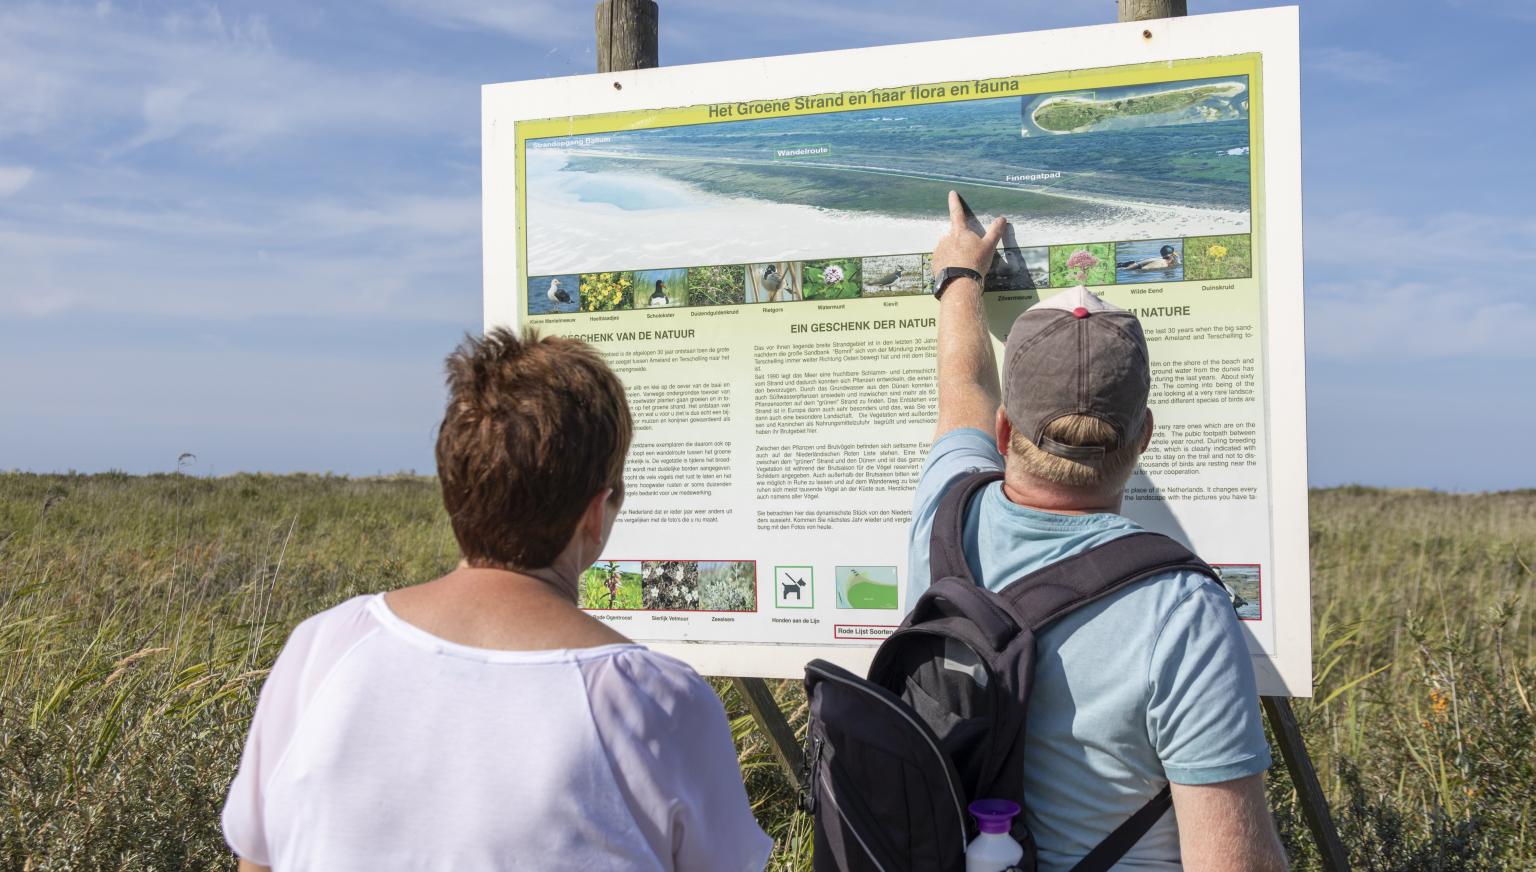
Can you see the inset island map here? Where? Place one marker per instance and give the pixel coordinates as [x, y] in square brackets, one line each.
[1066, 166]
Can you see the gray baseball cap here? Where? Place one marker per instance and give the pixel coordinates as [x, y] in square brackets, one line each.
[1075, 354]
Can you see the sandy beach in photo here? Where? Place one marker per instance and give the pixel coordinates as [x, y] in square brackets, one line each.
[582, 222]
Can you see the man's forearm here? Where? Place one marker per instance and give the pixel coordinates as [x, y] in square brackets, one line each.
[1227, 826]
[969, 393]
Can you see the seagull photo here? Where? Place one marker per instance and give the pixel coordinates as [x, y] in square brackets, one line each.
[548, 295]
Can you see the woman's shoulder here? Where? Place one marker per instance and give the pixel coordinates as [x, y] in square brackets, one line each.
[635, 678]
[348, 617]
[321, 639]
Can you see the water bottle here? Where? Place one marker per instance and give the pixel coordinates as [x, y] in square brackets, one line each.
[994, 850]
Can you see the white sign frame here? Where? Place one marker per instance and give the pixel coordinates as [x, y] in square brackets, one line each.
[1272, 33]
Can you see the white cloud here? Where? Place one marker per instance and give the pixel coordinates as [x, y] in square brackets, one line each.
[74, 77]
[1424, 246]
[1411, 287]
[163, 244]
[164, 112]
[526, 20]
[1354, 65]
[829, 26]
[13, 179]
[422, 217]
[1417, 321]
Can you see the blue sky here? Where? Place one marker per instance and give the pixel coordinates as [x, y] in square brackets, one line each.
[251, 230]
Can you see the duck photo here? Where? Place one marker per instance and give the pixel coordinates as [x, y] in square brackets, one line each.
[1149, 261]
[1166, 258]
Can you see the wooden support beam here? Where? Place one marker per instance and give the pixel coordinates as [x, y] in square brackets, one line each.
[627, 35]
[1314, 806]
[770, 719]
[1141, 10]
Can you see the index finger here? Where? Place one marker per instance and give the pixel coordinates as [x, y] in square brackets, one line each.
[956, 211]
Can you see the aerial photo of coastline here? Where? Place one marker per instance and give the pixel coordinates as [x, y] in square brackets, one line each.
[1166, 160]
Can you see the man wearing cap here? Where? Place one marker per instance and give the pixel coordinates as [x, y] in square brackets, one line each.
[1151, 685]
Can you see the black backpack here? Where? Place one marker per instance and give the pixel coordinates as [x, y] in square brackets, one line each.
[894, 760]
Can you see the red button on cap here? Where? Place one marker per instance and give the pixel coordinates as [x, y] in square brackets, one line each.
[1079, 312]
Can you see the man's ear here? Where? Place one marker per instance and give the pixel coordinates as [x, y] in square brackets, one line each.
[1146, 434]
[1003, 429]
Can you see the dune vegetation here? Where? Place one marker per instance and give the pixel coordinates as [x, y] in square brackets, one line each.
[138, 616]
[1068, 113]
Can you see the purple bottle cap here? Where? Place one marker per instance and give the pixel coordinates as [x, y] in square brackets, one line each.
[994, 815]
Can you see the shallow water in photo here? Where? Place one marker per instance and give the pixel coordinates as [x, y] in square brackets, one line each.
[1147, 250]
[539, 302]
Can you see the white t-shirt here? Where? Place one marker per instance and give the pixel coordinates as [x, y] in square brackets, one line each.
[377, 745]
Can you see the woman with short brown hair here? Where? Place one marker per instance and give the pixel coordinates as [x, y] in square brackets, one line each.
[482, 720]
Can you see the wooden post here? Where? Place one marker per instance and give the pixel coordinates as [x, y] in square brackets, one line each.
[1314, 805]
[1140, 10]
[627, 40]
[626, 35]
[770, 719]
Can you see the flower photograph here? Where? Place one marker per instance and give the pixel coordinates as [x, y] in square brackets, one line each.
[1218, 257]
[606, 291]
[1088, 264]
[832, 279]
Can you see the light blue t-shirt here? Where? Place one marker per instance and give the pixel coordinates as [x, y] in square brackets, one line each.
[1148, 685]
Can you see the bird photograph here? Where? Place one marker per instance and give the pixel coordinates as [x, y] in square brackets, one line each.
[552, 294]
[661, 288]
[1149, 260]
[1166, 258]
[773, 282]
[892, 274]
[1018, 269]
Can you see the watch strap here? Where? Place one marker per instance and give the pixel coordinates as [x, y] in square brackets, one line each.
[949, 274]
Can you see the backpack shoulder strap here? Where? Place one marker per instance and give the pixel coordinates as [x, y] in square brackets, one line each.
[1108, 852]
[1052, 591]
[946, 545]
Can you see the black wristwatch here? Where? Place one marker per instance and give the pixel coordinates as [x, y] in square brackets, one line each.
[949, 274]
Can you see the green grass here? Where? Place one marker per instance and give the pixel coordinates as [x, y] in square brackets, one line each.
[1074, 112]
[1218, 257]
[717, 285]
[138, 617]
[594, 590]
